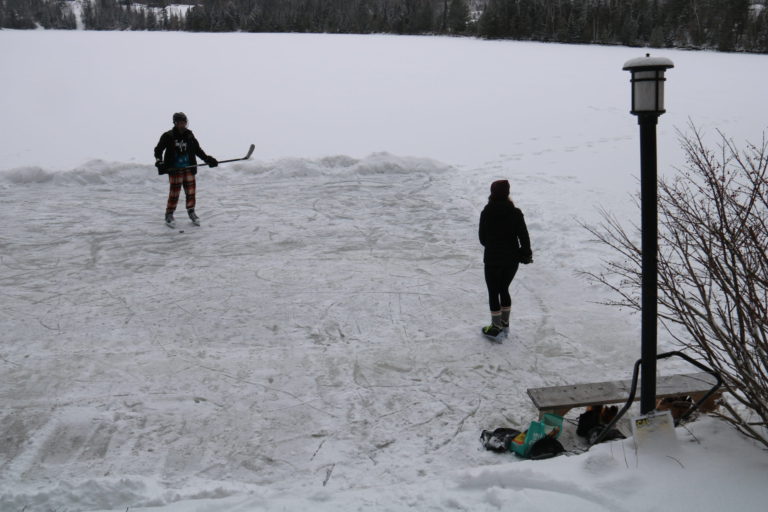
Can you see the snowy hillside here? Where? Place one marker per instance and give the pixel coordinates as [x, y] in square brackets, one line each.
[314, 344]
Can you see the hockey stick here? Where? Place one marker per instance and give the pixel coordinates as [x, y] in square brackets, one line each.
[246, 157]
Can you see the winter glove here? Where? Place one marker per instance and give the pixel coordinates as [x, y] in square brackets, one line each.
[161, 166]
[212, 162]
[526, 259]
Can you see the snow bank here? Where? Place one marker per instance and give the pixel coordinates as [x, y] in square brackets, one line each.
[27, 175]
[383, 164]
[99, 172]
[95, 172]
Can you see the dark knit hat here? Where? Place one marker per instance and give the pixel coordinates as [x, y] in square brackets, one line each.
[500, 189]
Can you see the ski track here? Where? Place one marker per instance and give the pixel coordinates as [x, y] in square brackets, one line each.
[321, 329]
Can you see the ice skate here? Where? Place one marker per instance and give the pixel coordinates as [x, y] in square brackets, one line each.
[493, 332]
[193, 217]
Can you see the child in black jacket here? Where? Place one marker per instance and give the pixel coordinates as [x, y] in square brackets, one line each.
[175, 155]
[504, 235]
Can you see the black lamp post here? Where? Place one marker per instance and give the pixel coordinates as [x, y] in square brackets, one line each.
[648, 104]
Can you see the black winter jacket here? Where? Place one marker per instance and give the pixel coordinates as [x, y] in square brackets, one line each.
[174, 141]
[504, 234]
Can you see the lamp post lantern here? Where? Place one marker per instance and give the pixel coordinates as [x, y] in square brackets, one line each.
[648, 104]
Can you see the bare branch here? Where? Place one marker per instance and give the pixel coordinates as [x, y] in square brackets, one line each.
[712, 266]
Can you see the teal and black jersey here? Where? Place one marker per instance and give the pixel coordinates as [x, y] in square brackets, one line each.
[182, 160]
[178, 149]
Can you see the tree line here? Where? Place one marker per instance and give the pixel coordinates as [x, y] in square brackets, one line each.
[26, 14]
[727, 25]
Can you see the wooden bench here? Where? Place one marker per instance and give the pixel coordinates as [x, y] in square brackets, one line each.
[561, 399]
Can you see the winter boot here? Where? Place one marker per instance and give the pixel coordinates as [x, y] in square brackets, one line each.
[495, 331]
[193, 217]
[505, 318]
[169, 220]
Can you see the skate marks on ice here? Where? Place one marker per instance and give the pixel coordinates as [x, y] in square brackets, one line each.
[319, 331]
[559, 332]
[294, 333]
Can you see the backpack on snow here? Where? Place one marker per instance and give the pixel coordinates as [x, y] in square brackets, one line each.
[498, 440]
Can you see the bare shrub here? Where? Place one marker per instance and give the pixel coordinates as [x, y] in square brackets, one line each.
[712, 268]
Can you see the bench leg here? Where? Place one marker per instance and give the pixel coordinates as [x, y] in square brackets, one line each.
[677, 405]
[711, 404]
[680, 405]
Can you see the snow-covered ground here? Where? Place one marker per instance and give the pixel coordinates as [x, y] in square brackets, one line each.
[314, 345]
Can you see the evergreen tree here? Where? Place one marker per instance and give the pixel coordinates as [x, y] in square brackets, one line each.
[457, 16]
[657, 39]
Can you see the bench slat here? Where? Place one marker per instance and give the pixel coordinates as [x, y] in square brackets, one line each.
[611, 392]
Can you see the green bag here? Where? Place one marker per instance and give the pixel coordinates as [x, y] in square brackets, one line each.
[550, 425]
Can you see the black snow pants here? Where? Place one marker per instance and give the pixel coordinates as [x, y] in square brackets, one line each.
[497, 279]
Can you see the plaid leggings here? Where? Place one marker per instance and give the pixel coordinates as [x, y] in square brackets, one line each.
[187, 179]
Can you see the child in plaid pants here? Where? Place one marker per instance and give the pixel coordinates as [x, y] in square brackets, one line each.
[175, 155]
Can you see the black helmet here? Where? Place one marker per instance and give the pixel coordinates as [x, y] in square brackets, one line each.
[179, 116]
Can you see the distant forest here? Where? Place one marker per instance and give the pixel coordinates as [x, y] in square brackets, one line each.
[726, 25]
